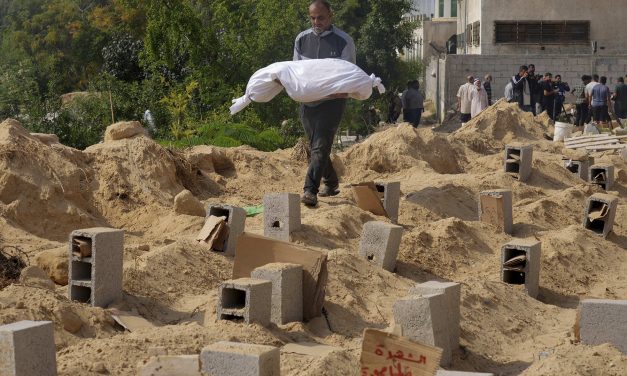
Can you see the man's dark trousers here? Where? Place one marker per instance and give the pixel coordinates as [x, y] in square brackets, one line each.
[321, 123]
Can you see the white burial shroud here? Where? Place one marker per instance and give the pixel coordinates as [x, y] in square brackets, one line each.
[308, 81]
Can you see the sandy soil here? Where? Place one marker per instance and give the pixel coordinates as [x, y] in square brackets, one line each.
[48, 191]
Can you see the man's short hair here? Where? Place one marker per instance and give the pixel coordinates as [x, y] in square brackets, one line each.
[620, 79]
[548, 74]
[324, 3]
[585, 77]
[558, 75]
[523, 68]
[532, 65]
[595, 77]
[603, 80]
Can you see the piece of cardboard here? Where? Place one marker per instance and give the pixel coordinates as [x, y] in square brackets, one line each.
[253, 251]
[516, 261]
[214, 232]
[130, 321]
[81, 247]
[599, 214]
[492, 210]
[309, 348]
[367, 198]
[388, 354]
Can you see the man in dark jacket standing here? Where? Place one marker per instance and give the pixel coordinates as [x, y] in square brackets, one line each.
[522, 89]
[321, 119]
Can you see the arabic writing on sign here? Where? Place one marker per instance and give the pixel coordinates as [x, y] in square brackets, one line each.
[397, 358]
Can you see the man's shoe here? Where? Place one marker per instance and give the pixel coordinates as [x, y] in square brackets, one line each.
[329, 191]
[309, 199]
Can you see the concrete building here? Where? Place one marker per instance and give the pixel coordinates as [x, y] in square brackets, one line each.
[568, 38]
[435, 34]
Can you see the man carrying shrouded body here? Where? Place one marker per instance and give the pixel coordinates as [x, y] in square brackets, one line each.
[321, 119]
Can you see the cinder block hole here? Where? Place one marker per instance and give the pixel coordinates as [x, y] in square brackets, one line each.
[599, 177]
[219, 212]
[77, 241]
[380, 188]
[574, 168]
[513, 154]
[514, 277]
[370, 257]
[81, 294]
[277, 224]
[81, 271]
[233, 298]
[231, 317]
[512, 167]
[597, 225]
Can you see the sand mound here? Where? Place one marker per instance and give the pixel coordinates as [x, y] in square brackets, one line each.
[38, 182]
[403, 147]
[501, 123]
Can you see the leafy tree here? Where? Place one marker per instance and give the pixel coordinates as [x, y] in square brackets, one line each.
[121, 58]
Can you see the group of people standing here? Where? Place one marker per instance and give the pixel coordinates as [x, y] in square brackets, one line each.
[593, 99]
[473, 97]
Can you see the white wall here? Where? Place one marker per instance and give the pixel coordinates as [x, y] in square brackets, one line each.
[426, 7]
[607, 23]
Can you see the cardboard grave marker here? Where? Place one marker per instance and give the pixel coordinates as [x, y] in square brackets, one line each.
[493, 210]
[388, 354]
[368, 198]
[254, 251]
[214, 232]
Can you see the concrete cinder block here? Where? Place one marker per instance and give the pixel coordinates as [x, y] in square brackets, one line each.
[27, 349]
[442, 372]
[452, 293]
[170, 365]
[240, 359]
[281, 215]
[245, 299]
[496, 208]
[603, 321]
[602, 175]
[380, 242]
[522, 272]
[580, 168]
[519, 160]
[287, 290]
[391, 198]
[96, 279]
[604, 204]
[424, 319]
[235, 219]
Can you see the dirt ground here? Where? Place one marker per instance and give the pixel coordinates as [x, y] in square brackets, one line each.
[47, 191]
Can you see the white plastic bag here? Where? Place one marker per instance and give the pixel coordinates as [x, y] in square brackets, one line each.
[308, 81]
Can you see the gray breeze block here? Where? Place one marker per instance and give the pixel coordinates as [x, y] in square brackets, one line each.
[601, 226]
[97, 279]
[603, 321]
[391, 198]
[281, 215]
[580, 168]
[424, 319]
[245, 299]
[235, 219]
[287, 290]
[27, 349]
[380, 242]
[452, 293]
[529, 273]
[489, 216]
[519, 160]
[240, 359]
[602, 175]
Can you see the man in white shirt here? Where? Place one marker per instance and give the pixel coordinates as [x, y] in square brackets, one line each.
[588, 91]
[464, 100]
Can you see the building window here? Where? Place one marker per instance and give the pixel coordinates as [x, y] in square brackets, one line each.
[541, 32]
[476, 33]
[453, 8]
[441, 8]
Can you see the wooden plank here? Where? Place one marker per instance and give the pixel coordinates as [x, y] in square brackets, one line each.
[587, 136]
[581, 146]
[589, 139]
[592, 140]
[607, 147]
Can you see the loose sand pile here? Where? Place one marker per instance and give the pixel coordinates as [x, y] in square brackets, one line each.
[48, 190]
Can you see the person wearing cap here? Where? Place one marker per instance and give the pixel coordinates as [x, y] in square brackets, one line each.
[478, 98]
